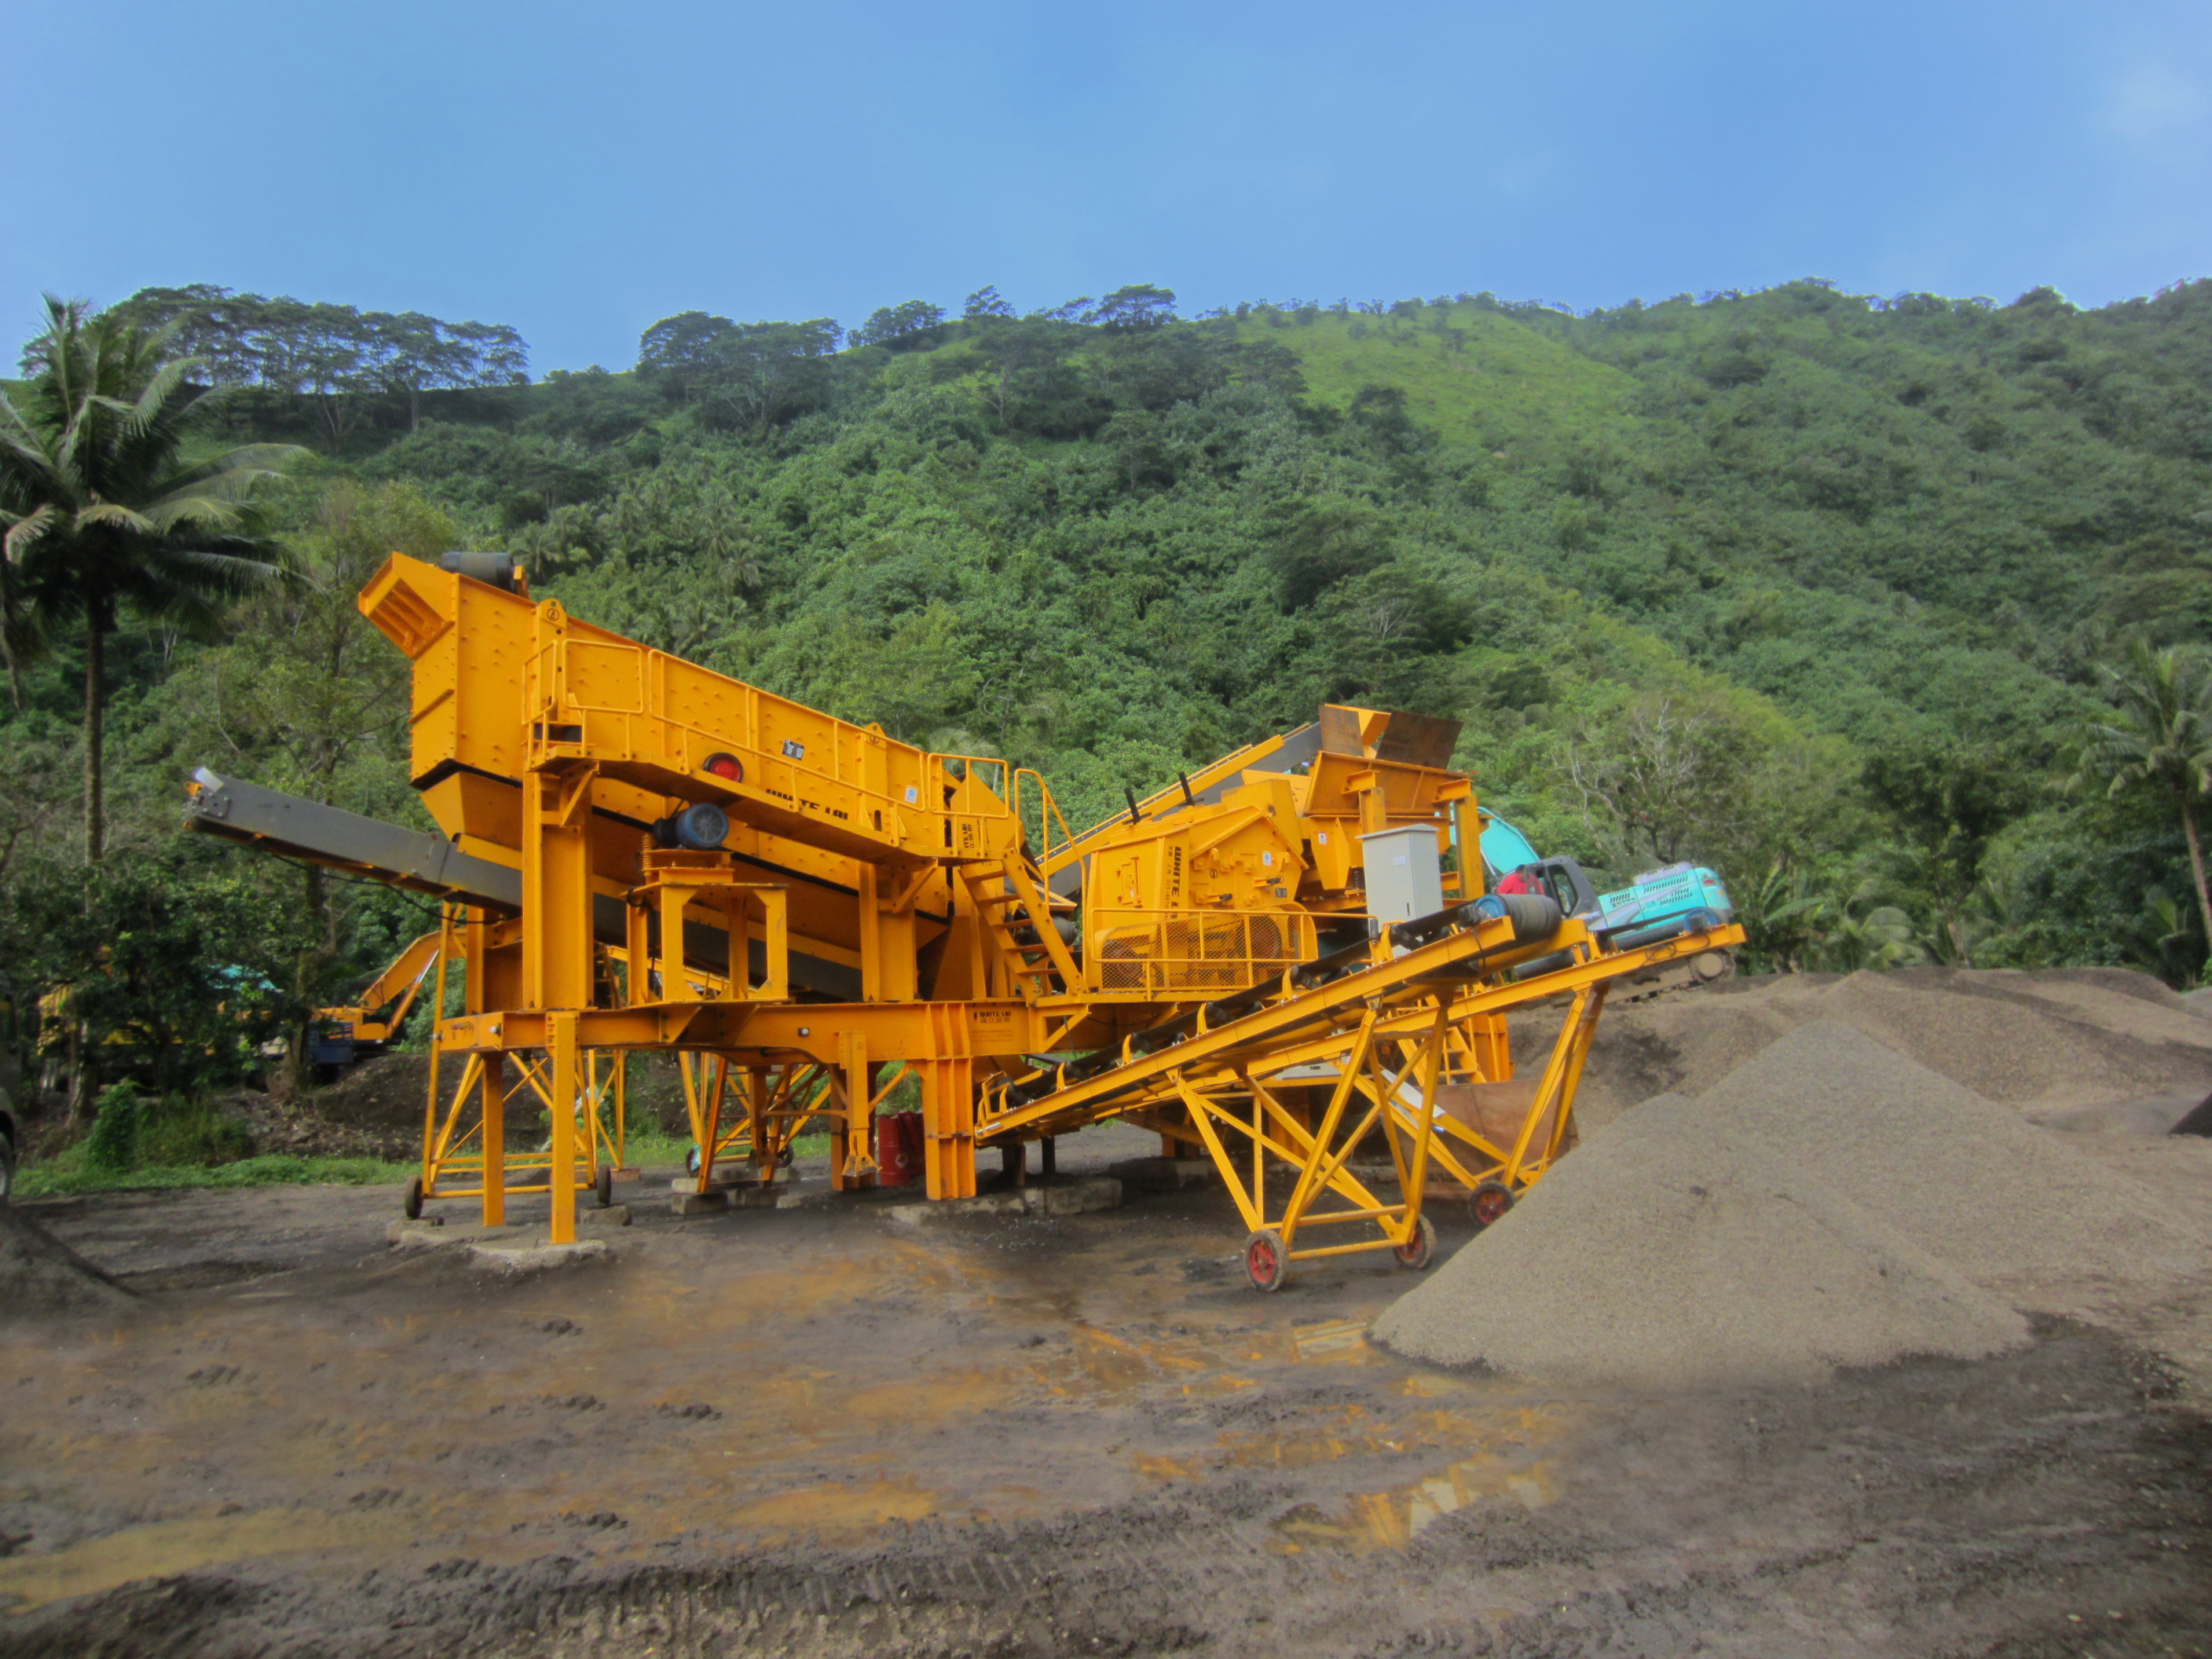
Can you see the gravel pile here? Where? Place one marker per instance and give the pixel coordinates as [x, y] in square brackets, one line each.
[2054, 1039]
[1828, 1202]
[40, 1274]
[2155, 1115]
[1963, 1177]
[1667, 1253]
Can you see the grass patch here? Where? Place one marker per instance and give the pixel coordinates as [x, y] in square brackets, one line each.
[58, 1179]
[645, 1150]
[1481, 380]
[68, 1176]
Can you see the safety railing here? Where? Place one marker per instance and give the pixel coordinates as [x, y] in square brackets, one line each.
[1036, 811]
[972, 792]
[1154, 954]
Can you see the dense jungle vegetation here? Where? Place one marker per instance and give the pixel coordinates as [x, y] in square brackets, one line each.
[1825, 590]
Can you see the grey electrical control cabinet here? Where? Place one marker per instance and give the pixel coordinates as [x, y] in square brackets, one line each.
[1405, 873]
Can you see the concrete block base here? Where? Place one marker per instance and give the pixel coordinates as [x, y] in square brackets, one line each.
[1101, 1192]
[819, 1196]
[533, 1255]
[1096, 1193]
[725, 1175]
[1162, 1173]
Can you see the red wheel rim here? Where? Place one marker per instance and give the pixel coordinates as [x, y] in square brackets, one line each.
[1491, 1203]
[1260, 1260]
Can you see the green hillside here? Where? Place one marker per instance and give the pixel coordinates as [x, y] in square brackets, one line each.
[1477, 378]
[1812, 586]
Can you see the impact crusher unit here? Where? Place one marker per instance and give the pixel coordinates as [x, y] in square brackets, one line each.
[1279, 961]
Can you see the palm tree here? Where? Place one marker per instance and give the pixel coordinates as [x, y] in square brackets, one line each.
[2160, 736]
[100, 512]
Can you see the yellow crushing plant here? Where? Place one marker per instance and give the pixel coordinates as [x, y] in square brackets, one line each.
[1277, 961]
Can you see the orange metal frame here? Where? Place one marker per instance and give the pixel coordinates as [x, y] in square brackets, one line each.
[859, 910]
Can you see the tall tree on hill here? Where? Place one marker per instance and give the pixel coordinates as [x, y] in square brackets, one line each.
[1137, 306]
[743, 376]
[101, 513]
[343, 359]
[2159, 737]
[902, 326]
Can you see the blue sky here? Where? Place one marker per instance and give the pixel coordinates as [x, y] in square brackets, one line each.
[581, 171]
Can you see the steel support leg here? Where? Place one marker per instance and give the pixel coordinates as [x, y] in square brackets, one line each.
[563, 1083]
[494, 1114]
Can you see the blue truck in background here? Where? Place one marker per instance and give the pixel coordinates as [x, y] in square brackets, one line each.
[1680, 898]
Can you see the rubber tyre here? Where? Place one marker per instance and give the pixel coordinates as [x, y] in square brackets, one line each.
[691, 1162]
[413, 1202]
[1266, 1260]
[1487, 1204]
[1417, 1253]
[788, 1158]
[603, 1188]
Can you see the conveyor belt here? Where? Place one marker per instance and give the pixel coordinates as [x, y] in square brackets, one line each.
[1440, 954]
[1387, 1032]
[423, 861]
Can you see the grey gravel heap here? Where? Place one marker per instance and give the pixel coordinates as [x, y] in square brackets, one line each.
[1667, 1254]
[1827, 1203]
[40, 1274]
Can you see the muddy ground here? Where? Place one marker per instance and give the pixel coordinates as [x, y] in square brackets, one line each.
[828, 1432]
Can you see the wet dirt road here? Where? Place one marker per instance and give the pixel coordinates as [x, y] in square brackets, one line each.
[826, 1432]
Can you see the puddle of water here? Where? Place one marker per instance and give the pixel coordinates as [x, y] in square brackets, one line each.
[1332, 1342]
[1360, 1431]
[1391, 1519]
[167, 1548]
[1117, 1364]
[1355, 1430]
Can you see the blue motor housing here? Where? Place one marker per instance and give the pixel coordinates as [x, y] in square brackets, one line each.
[1682, 898]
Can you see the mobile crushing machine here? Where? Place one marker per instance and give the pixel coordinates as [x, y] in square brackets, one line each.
[1274, 961]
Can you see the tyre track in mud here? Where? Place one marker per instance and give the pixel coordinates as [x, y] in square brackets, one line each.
[2009, 1508]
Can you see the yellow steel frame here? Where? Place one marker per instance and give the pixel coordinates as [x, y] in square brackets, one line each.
[1319, 1155]
[757, 1113]
[456, 1138]
[553, 747]
[1219, 1087]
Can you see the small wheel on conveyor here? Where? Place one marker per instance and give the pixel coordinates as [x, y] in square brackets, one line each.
[1487, 1205]
[1417, 1252]
[413, 1202]
[1267, 1261]
[604, 1188]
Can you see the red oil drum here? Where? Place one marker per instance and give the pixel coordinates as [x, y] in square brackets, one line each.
[898, 1149]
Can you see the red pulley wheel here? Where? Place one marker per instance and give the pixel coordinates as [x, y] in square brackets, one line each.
[1420, 1249]
[1489, 1203]
[1266, 1260]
